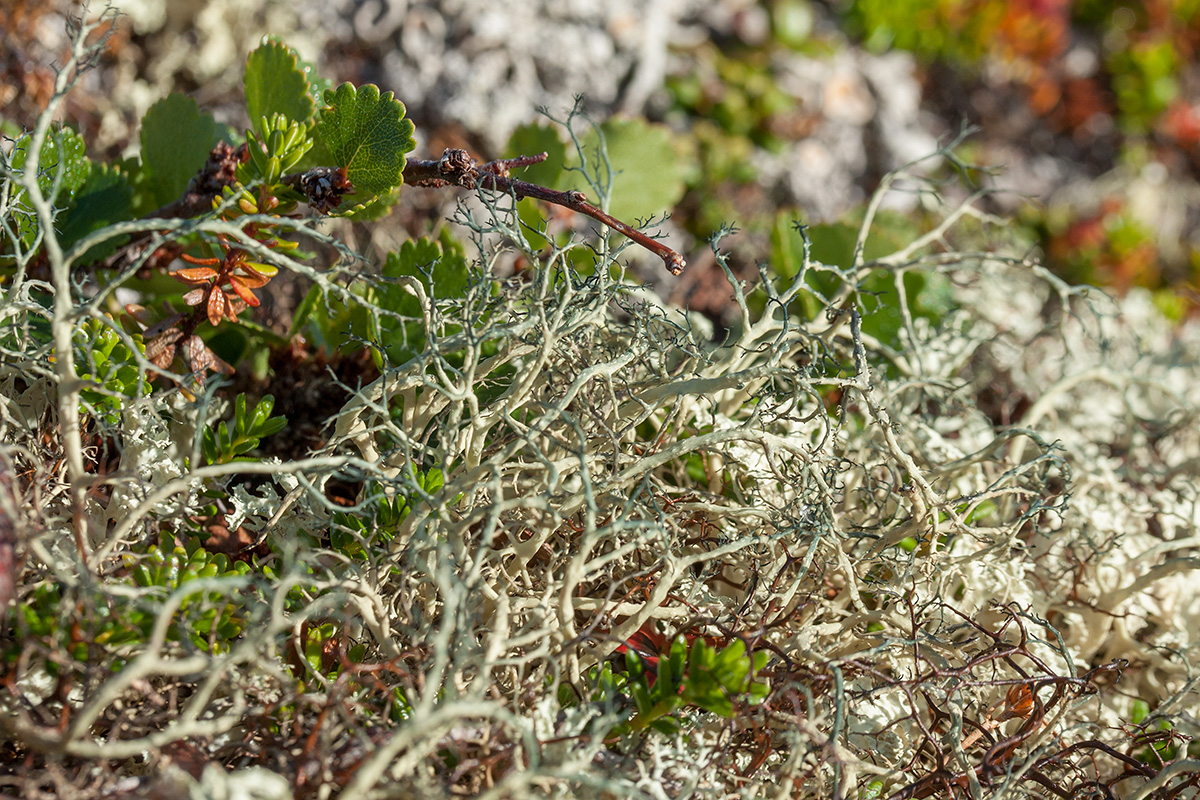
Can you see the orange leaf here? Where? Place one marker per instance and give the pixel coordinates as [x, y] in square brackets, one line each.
[212, 262]
[253, 280]
[197, 274]
[233, 307]
[1019, 701]
[243, 291]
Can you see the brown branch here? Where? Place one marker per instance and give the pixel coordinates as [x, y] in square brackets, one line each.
[457, 168]
[324, 187]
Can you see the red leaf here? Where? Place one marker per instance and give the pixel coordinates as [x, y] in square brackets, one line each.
[243, 291]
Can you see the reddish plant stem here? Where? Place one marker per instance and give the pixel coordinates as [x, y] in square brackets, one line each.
[458, 168]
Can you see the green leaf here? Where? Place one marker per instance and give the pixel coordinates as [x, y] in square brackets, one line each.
[872, 791]
[262, 412]
[441, 267]
[534, 138]
[676, 663]
[176, 140]
[641, 697]
[366, 133]
[239, 414]
[731, 666]
[305, 310]
[702, 655]
[717, 703]
[432, 480]
[372, 209]
[63, 158]
[667, 726]
[271, 426]
[647, 169]
[276, 83]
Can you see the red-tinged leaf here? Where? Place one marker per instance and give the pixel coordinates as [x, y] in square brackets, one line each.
[208, 262]
[217, 305]
[253, 280]
[197, 274]
[647, 642]
[140, 314]
[160, 350]
[195, 297]
[243, 291]
[266, 270]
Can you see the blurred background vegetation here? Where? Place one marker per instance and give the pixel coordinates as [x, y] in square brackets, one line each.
[769, 110]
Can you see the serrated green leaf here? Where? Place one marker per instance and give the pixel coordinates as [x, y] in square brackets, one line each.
[63, 158]
[277, 83]
[373, 209]
[441, 267]
[176, 140]
[366, 133]
[63, 146]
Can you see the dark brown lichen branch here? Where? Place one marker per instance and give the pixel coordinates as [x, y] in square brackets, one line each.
[457, 168]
